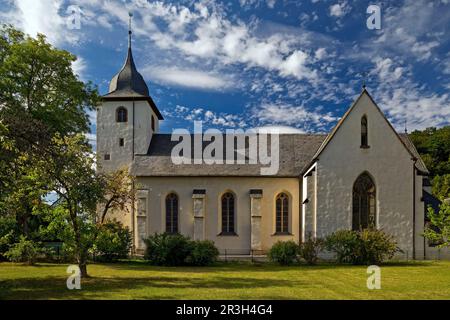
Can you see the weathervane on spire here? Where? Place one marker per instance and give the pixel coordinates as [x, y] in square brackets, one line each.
[130, 14]
[365, 75]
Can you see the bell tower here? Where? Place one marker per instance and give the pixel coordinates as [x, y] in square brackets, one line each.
[127, 117]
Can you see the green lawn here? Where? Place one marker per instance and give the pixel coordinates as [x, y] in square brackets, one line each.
[136, 280]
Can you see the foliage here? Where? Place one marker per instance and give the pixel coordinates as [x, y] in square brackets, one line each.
[42, 117]
[203, 253]
[8, 234]
[438, 231]
[167, 249]
[75, 182]
[441, 186]
[434, 147]
[284, 252]
[309, 250]
[368, 246]
[113, 242]
[119, 191]
[24, 251]
[38, 79]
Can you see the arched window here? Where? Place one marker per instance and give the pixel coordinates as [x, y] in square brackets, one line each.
[172, 213]
[364, 132]
[364, 206]
[282, 213]
[121, 114]
[228, 213]
[153, 123]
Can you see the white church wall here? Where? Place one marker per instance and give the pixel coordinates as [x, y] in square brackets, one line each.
[390, 165]
[109, 131]
[160, 187]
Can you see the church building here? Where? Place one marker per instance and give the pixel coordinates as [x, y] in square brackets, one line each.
[363, 173]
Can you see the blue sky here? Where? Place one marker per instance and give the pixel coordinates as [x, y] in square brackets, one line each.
[258, 63]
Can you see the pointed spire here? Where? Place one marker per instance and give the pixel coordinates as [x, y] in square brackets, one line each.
[130, 14]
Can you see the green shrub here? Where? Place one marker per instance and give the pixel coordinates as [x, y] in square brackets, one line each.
[369, 246]
[167, 249]
[24, 251]
[284, 252]
[310, 249]
[8, 235]
[377, 246]
[345, 244]
[113, 242]
[203, 253]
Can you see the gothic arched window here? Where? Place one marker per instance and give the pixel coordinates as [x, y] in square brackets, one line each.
[153, 123]
[172, 213]
[364, 205]
[364, 132]
[121, 114]
[227, 202]
[282, 213]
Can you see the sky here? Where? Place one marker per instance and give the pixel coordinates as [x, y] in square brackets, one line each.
[297, 65]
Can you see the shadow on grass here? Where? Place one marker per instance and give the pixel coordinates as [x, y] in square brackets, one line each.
[253, 267]
[120, 287]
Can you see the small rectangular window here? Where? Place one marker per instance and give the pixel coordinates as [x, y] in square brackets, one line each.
[107, 157]
[121, 142]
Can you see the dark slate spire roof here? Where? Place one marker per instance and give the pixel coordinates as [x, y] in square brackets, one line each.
[129, 80]
[129, 84]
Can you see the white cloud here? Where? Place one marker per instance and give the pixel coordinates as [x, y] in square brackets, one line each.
[339, 9]
[187, 78]
[79, 67]
[279, 129]
[297, 116]
[41, 16]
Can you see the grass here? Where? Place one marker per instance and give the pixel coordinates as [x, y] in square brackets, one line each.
[137, 280]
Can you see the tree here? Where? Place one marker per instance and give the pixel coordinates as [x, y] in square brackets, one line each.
[71, 170]
[37, 79]
[40, 97]
[441, 186]
[119, 192]
[438, 230]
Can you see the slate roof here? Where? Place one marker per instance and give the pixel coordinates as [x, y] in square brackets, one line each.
[296, 150]
[129, 84]
[296, 153]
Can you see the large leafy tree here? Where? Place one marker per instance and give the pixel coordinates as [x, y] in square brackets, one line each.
[72, 176]
[40, 97]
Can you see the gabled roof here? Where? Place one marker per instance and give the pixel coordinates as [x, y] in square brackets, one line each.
[296, 150]
[405, 141]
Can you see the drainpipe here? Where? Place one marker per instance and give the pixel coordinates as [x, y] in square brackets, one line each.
[133, 200]
[414, 208]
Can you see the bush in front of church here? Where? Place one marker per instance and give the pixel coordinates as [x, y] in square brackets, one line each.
[365, 247]
[167, 249]
[284, 252]
[113, 242]
[309, 250]
[203, 253]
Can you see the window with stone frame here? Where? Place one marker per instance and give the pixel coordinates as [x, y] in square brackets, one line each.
[228, 214]
[121, 114]
[172, 213]
[282, 213]
[364, 203]
[364, 133]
